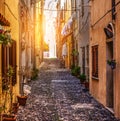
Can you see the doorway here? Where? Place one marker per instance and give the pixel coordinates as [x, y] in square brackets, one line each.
[83, 60]
[109, 79]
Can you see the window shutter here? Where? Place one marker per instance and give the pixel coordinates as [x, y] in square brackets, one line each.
[9, 58]
[95, 61]
[12, 60]
[4, 60]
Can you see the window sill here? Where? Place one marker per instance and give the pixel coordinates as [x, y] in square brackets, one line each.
[95, 78]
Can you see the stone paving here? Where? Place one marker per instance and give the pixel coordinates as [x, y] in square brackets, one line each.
[58, 96]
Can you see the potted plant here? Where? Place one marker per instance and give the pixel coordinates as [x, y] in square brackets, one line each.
[112, 63]
[75, 52]
[82, 78]
[8, 94]
[34, 74]
[75, 70]
[6, 117]
[22, 98]
[5, 37]
[2, 108]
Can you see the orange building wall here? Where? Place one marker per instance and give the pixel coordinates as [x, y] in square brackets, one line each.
[97, 37]
[117, 54]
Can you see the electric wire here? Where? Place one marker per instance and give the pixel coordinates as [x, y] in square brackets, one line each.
[10, 10]
[105, 14]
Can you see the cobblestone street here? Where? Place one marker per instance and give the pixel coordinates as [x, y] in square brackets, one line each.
[58, 96]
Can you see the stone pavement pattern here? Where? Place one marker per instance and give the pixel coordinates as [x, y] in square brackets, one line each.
[58, 96]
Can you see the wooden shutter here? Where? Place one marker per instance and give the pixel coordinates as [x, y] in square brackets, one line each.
[9, 58]
[83, 59]
[12, 60]
[4, 60]
[95, 61]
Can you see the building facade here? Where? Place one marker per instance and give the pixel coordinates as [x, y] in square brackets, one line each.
[17, 51]
[83, 36]
[39, 32]
[66, 32]
[9, 51]
[104, 53]
[26, 40]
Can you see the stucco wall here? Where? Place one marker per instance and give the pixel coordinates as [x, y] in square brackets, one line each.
[11, 13]
[97, 37]
[117, 70]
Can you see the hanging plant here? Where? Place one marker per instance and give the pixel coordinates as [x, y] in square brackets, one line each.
[5, 37]
[112, 63]
[75, 53]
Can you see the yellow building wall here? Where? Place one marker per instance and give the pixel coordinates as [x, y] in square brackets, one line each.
[10, 11]
[38, 35]
[68, 39]
[1, 6]
[0, 78]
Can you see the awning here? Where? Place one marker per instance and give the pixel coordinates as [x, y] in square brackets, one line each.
[64, 37]
[3, 21]
[68, 26]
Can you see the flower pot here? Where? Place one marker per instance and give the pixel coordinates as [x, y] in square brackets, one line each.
[22, 100]
[113, 65]
[86, 85]
[6, 117]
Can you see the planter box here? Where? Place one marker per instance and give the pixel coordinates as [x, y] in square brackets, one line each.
[6, 117]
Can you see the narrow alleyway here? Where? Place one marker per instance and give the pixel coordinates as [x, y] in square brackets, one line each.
[58, 96]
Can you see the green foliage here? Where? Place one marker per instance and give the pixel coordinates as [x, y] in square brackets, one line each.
[72, 66]
[82, 77]
[34, 74]
[75, 70]
[2, 108]
[10, 71]
[109, 62]
[112, 63]
[75, 53]
[8, 78]
[5, 84]
[5, 37]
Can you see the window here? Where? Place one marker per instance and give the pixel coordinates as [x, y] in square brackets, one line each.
[95, 61]
[83, 59]
[82, 5]
[9, 58]
[87, 55]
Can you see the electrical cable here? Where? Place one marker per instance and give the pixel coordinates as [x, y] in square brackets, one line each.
[10, 10]
[105, 14]
[57, 9]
